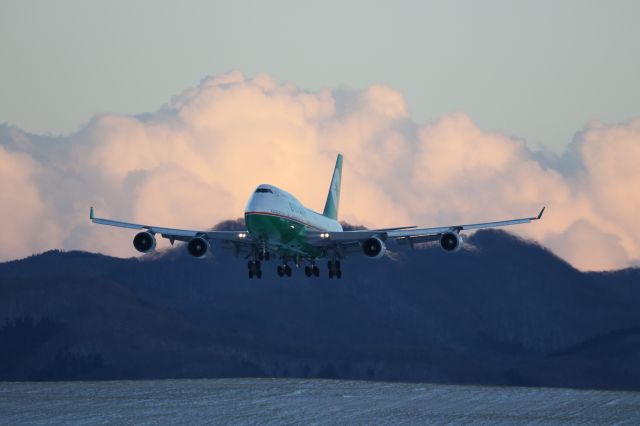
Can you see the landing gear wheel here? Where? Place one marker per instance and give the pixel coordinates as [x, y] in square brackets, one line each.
[254, 269]
[316, 271]
[334, 269]
[287, 270]
[280, 271]
[308, 271]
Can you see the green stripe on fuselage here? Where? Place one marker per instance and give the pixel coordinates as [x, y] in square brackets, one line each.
[282, 235]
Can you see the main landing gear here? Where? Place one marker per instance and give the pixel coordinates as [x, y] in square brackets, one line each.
[284, 270]
[309, 270]
[254, 269]
[312, 270]
[254, 265]
[334, 269]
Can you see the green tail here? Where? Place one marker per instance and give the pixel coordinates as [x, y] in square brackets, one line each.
[333, 198]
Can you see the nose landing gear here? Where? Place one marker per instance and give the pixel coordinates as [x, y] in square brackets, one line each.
[334, 269]
[254, 269]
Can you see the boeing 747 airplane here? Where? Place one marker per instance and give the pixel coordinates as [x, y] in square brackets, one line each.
[279, 227]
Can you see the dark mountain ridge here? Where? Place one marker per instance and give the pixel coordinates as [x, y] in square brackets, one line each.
[503, 311]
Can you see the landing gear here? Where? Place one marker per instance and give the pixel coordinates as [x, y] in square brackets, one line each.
[334, 269]
[254, 269]
[284, 270]
[312, 270]
[254, 265]
[264, 255]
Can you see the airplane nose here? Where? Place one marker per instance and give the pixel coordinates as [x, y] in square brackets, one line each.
[254, 203]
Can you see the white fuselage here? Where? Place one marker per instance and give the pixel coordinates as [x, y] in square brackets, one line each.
[269, 200]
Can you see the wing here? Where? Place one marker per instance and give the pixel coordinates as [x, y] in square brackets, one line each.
[237, 239]
[347, 241]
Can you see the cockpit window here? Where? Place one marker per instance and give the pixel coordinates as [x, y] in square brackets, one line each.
[264, 190]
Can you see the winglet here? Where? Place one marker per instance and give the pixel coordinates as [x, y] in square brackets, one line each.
[540, 214]
[91, 213]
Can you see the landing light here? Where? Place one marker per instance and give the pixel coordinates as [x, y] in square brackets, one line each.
[324, 235]
[242, 235]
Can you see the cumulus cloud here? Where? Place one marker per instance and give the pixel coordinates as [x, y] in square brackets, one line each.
[21, 204]
[196, 160]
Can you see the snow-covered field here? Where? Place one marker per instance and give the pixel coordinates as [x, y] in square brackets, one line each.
[287, 401]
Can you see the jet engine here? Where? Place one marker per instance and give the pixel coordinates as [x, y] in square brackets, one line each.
[144, 242]
[451, 242]
[198, 247]
[374, 248]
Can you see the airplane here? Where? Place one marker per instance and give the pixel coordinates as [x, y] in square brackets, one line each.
[279, 226]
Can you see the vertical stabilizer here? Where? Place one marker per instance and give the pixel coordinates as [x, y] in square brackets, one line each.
[333, 198]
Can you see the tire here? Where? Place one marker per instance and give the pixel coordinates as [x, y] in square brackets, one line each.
[287, 270]
[259, 273]
[330, 273]
[280, 271]
[316, 271]
[339, 273]
[250, 273]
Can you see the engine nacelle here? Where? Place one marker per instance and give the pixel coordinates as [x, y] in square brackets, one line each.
[198, 247]
[451, 242]
[374, 248]
[144, 242]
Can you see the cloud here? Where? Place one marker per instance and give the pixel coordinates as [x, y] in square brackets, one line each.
[196, 160]
[20, 203]
[587, 247]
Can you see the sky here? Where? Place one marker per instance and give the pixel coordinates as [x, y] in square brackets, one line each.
[446, 112]
[537, 70]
